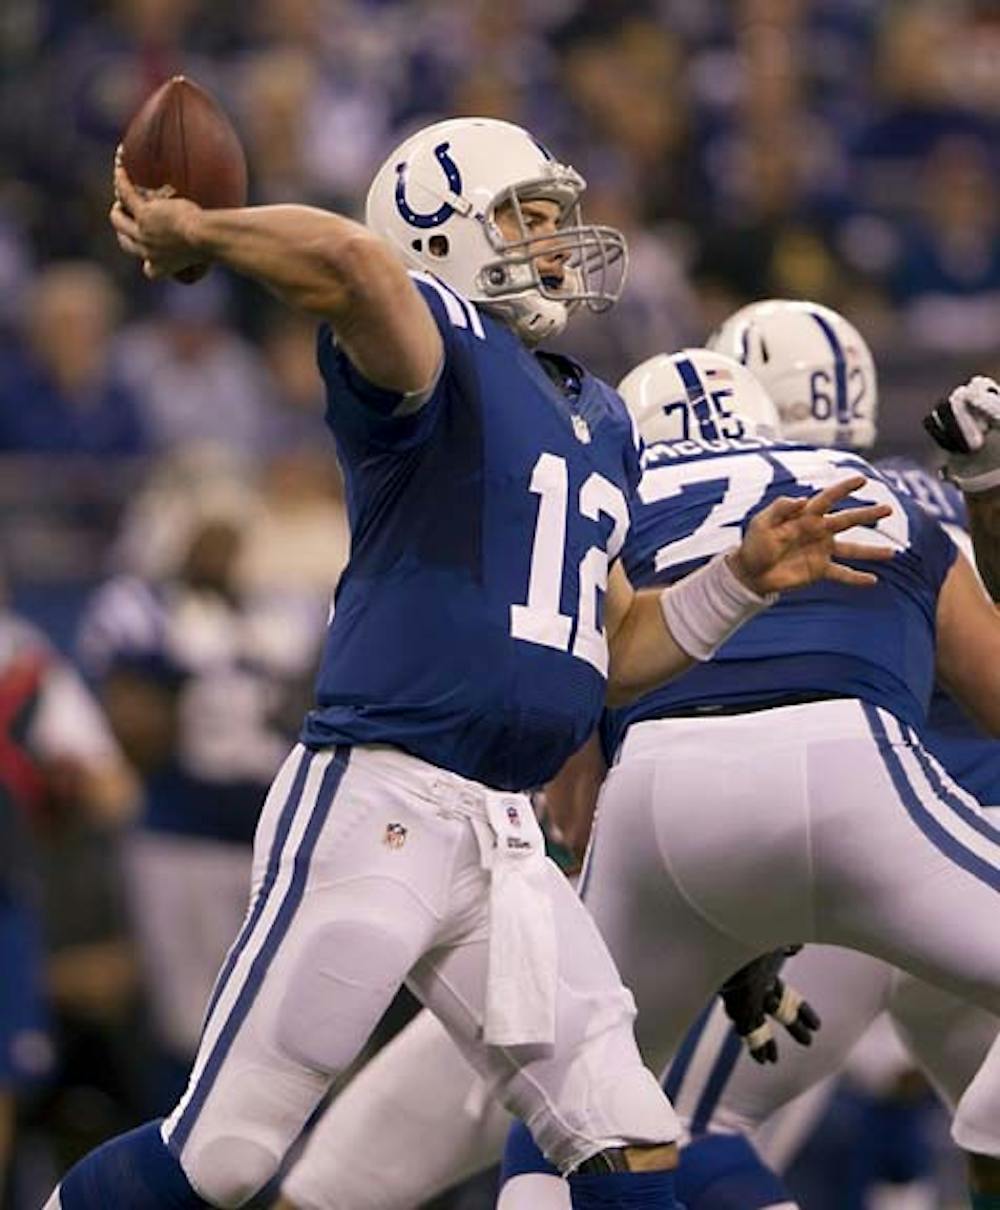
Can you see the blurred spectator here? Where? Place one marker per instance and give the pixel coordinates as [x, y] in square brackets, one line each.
[196, 380]
[947, 279]
[60, 394]
[57, 761]
[155, 525]
[628, 86]
[300, 542]
[288, 346]
[276, 89]
[317, 98]
[98, 64]
[205, 685]
[923, 55]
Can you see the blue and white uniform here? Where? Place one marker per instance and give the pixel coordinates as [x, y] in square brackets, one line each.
[841, 654]
[720, 1090]
[781, 793]
[222, 669]
[971, 757]
[465, 660]
[824, 641]
[434, 1145]
[467, 626]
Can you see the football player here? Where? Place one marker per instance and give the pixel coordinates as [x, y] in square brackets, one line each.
[480, 623]
[428, 1143]
[195, 673]
[799, 351]
[783, 786]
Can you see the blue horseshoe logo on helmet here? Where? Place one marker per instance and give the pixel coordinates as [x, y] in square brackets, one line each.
[446, 210]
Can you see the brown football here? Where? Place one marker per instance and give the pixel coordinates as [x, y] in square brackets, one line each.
[182, 137]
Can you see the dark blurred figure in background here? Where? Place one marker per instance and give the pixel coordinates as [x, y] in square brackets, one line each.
[202, 682]
[194, 378]
[61, 773]
[59, 393]
[947, 276]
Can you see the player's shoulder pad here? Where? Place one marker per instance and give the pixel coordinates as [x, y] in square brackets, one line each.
[450, 309]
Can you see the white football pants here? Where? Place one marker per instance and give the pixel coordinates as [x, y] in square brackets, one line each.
[807, 811]
[368, 872]
[720, 838]
[945, 1037]
[414, 1121]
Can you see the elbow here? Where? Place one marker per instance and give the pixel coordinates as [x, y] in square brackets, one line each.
[344, 272]
[364, 266]
[356, 258]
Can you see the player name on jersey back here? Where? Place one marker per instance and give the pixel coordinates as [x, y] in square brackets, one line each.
[877, 644]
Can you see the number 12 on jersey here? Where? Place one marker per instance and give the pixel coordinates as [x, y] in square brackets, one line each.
[540, 619]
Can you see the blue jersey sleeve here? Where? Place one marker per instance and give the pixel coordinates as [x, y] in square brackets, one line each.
[366, 417]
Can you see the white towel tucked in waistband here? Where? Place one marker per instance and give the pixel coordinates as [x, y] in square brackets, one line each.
[523, 968]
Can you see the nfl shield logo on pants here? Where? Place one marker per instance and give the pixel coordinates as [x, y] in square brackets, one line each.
[395, 835]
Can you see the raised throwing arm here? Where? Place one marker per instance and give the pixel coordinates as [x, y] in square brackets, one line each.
[316, 261]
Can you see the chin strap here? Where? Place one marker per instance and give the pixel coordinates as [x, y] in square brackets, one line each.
[533, 318]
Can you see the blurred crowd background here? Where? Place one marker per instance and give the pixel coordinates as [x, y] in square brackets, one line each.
[171, 519]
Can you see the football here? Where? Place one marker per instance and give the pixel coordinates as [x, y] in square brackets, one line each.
[181, 137]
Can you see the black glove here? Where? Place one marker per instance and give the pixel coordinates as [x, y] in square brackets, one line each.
[755, 993]
[966, 426]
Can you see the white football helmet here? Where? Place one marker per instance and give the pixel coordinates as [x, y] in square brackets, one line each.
[436, 198]
[697, 394]
[814, 364]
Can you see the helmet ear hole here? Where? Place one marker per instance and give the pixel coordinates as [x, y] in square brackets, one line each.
[438, 245]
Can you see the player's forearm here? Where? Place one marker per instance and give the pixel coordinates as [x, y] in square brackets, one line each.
[644, 653]
[984, 528]
[656, 634]
[305, 255]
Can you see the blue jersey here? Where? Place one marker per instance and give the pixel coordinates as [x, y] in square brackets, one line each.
[468, 625]
[970, 755]
[935, 495]
[228, 671]
[876, 644]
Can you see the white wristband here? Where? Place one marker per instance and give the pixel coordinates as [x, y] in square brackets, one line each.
[706, 607]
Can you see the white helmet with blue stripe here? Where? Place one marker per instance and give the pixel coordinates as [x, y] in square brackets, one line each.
[436, 199]
[699, 395]
[814, 364]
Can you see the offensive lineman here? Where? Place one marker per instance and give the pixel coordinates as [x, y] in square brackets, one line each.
[468, 655]
[859, 836]
[948, 1038]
